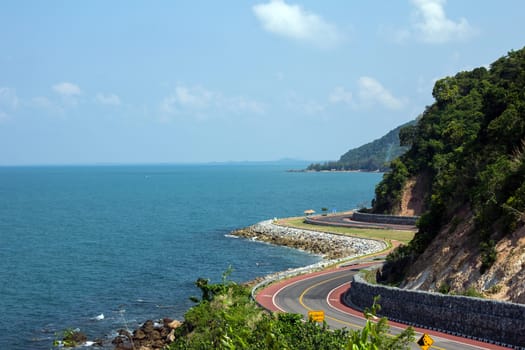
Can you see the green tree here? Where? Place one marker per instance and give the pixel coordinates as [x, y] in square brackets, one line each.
[469, 144]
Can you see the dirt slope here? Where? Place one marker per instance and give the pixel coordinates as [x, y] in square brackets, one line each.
[412, 200]
[453, 260]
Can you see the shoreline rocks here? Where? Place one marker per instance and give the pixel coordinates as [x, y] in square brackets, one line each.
[330, 246]
[151, 335]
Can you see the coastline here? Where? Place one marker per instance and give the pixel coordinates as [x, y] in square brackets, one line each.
[329, 245]
[157, 242]
[333, 248]
[336, 171]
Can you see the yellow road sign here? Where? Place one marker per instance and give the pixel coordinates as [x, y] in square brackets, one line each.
[425, 342]
[317, 316]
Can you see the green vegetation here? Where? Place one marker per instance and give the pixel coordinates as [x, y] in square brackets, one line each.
[472, 292]
[495, 289]
[390, 189]
[374, 156]
[370, 275]
[471, 145]
[69, 338]
[401, 236]
[445, 288]
[225, 317]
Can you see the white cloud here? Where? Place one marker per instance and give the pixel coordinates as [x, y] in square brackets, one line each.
[304, 107]
[8, 103]
[196, 97]
[8, 98]
[432, 25]
[310, 107]
[341, 95]
[202, 103]
[43, 103]
[4, 117]
[292, 21]
[67, 89]
[371, 91]
[107, 99]
[187, 99]
[241, 104]
[168, 105]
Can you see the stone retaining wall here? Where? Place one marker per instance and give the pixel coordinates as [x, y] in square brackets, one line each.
[385, 219]
[490, 320]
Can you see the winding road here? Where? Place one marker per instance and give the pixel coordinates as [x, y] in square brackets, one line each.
[347, 220]
[324, 290]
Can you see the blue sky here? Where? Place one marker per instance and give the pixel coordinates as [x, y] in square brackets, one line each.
[85, 82]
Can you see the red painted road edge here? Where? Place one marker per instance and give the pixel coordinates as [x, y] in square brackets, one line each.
[265, 298]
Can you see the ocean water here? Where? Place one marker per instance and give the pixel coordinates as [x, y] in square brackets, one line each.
[129, 241]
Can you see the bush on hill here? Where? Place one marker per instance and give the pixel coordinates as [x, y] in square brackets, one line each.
[471, 142]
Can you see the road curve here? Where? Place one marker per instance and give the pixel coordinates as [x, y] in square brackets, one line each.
[323, 291]
[346, 220]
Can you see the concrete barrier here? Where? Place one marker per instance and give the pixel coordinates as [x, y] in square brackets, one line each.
[485, 319]
[385, 219]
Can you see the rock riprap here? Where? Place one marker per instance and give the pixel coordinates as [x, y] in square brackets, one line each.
[330, 246]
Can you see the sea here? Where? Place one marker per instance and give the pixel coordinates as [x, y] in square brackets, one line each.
[107, 247]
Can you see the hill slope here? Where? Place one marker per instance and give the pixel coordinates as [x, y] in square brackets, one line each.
[372, 156]
[467, 156]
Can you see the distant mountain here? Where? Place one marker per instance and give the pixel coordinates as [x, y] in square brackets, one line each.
[373, 156]
[290, 162]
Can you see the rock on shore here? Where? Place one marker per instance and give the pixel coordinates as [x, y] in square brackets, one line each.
[331, 246]
[151, 335]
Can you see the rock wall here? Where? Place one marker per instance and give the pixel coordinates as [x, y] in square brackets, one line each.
[385, 219]
[490, 320]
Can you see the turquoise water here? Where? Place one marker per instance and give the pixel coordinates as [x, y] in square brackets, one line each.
[129, 241]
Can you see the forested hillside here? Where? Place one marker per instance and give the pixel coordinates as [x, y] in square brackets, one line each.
[469, 148]
[373, 156]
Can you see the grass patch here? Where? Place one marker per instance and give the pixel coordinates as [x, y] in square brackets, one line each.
[401, 236]
[369, 275]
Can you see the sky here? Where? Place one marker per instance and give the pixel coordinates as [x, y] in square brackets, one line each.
[96, 82]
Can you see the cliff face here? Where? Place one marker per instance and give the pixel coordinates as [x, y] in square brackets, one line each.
[452, 263]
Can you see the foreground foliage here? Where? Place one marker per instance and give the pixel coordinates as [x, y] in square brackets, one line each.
[470, 145]
[226, 318]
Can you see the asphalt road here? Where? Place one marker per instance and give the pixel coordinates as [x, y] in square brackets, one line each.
[322, 291]
[345, 220]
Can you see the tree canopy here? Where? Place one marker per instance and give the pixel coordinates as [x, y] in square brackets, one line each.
[471, 143]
